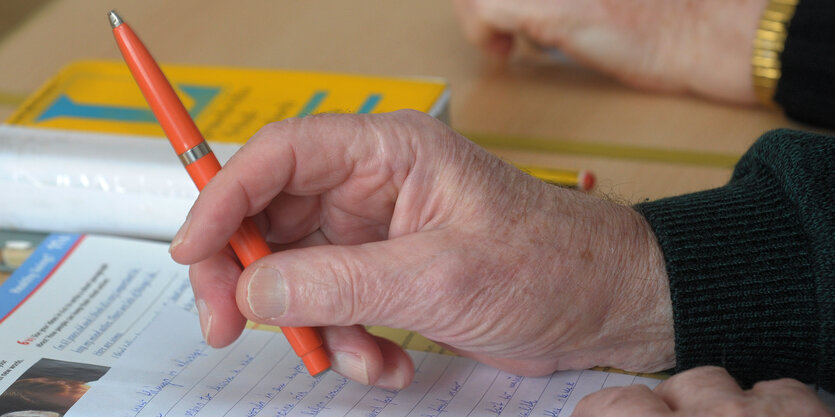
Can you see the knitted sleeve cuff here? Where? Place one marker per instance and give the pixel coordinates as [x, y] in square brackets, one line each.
[743, 275]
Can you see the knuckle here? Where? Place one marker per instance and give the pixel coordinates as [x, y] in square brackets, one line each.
[337, 296]
[347, 310]
[779, 384]
[610, 399]
[708, 372]
[414, 117]
[410, 113]
[701, 376]
[270, 130]
[346, 293]
[737, 407]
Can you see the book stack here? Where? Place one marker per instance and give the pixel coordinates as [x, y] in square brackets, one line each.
[85, 153]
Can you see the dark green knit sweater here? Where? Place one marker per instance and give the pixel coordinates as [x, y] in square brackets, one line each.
[752, 264]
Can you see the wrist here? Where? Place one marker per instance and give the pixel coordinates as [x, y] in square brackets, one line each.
[636, 331]
[646, 317]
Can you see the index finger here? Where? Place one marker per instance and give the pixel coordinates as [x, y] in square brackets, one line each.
[306, 156]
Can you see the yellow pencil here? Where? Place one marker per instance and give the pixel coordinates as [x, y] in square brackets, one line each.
[581, 180]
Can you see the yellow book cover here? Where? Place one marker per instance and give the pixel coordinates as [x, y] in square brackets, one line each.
[228, 104]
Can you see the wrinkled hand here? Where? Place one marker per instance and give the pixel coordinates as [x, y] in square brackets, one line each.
[698, 46]
[396, 220]
[705, 391]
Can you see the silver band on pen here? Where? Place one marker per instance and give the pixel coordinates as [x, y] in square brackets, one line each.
[190, 156]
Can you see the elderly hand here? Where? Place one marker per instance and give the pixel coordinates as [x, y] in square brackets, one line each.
[705, 391]
[396, 220]
[702, 46]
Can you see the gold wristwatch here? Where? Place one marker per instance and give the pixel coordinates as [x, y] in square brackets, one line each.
[768, 45]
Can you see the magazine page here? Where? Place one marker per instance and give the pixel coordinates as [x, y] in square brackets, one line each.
[34, 386]
[70, 305]
[85, 298]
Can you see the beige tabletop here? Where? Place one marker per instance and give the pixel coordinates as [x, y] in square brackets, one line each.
[640, 145]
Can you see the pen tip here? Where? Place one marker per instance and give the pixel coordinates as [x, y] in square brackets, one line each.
[115, 20]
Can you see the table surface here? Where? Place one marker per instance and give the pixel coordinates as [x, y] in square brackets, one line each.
[634, 141]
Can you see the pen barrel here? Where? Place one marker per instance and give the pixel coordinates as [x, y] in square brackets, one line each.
[250, 246]
[308, 345]
[172, 115]
[183, 134]
[203, 170]
[248, 243]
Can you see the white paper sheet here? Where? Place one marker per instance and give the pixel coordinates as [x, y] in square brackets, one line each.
[170, 371]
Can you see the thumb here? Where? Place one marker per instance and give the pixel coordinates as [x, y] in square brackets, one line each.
[374, 283]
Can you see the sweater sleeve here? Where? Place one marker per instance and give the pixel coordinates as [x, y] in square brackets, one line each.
[752, 264]
[806, 90]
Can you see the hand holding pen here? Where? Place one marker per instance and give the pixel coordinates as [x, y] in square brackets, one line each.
[396, 220]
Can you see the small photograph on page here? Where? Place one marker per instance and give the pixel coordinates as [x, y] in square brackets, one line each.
[48, 388]
[15, 247]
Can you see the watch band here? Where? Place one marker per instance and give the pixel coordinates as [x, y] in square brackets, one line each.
[768, 45]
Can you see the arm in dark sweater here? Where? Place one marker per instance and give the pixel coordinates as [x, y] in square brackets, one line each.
[752, 264]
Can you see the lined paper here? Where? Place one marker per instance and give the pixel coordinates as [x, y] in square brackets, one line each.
[170, 371]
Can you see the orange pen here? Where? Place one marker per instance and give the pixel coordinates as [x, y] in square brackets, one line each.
[202, 165]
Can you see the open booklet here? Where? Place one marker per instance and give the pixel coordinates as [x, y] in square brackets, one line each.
[106, 326]
[70, 305]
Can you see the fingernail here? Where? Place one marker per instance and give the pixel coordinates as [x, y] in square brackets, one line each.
[181, 234]
[351, 366]
[396, 379]
[205, 317]
[266, 293]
